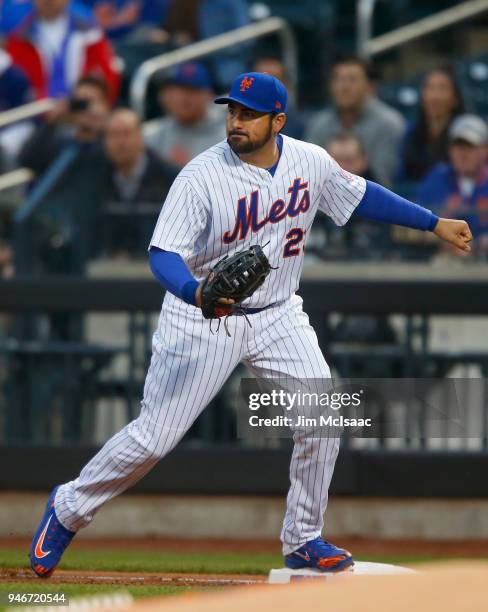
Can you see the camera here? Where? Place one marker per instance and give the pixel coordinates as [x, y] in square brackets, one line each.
[77, 105]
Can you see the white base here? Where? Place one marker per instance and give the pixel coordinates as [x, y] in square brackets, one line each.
[285, 575]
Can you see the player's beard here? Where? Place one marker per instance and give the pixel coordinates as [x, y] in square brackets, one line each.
[246, 145]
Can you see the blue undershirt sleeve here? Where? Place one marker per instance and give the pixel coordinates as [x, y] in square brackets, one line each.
[173, 274]
[380, 204]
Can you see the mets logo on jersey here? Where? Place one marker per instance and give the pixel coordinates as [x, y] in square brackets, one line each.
[246, 83]
[247, 215]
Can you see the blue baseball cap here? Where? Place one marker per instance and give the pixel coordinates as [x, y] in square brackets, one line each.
[190, 74]
[259, 91]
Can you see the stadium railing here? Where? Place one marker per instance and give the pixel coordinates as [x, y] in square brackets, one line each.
[367, 46]
[21, 176]
[272, 25]
[26, 111]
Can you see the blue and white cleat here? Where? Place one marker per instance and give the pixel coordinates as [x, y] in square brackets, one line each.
[321, 555]
[50, 541]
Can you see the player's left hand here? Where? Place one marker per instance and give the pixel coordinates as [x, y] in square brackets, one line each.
[455, 232]
[198, 297]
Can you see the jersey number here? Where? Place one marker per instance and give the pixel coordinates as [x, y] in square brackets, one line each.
[294, 237]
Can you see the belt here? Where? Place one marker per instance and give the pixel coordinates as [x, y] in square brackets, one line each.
[249, 311]
[243, 312]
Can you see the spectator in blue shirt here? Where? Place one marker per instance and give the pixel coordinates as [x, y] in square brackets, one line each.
[459, 188]
[129, 19]
[192, 20]
[12, 12]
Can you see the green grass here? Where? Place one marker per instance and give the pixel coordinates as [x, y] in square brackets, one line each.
[160, 561]
[148, 561]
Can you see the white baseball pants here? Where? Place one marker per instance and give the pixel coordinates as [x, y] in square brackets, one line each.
[188, 367]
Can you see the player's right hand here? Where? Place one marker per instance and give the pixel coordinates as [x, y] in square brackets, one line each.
[455, 232]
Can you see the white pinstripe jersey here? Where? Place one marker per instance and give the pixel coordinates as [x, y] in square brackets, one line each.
[219, 205]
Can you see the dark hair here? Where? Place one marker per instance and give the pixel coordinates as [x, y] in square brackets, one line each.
[95, 81]
[366, 66]
[420, 132]
[447, 71]
[416, 164]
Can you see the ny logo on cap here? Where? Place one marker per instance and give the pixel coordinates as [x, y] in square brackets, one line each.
[246, 83]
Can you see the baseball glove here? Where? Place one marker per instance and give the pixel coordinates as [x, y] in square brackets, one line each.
[236, 277]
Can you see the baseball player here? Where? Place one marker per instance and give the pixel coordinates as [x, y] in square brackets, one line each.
[255, 188]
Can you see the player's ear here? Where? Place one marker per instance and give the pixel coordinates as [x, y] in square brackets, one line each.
[279, 121]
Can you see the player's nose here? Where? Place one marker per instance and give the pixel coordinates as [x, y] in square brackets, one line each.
[234, 126]
[235, 123]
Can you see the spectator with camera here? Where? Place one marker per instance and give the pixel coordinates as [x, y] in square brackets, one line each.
[192, 123]
[55, 46]
[426, 140]
[459, 187]
[80, 120]
[355, 108]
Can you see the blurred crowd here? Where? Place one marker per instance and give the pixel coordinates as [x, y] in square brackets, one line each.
[67, 51]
